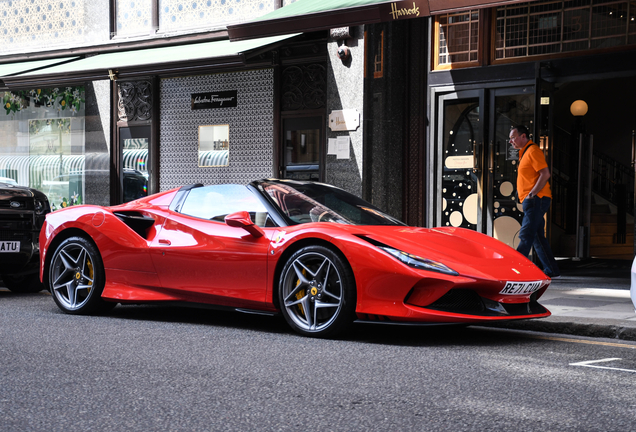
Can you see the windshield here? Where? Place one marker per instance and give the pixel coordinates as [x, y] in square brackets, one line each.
[304, 202]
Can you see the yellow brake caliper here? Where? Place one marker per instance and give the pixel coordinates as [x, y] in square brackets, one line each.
[300, 294]
[89, 264]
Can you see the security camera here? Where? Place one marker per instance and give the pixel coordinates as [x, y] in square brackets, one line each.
[343, 52]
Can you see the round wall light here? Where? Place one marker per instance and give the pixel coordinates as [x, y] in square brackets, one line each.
[578, 108]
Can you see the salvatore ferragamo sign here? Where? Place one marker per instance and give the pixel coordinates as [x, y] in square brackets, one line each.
[219, 99]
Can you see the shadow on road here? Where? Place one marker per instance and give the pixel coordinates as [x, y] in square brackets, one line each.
[395, 335]
[424, 335]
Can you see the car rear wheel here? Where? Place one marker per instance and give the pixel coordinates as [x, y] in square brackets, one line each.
[317, 292]
[23, 284]
[76, 277]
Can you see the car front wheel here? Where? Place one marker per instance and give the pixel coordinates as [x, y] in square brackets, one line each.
[317, 292]
[76, 277]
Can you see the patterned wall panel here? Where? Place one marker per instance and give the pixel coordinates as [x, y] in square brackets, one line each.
[176, 15]
[251, 128]
[44, 24]
[23, 21]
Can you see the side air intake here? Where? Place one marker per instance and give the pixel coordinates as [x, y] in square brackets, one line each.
[136, 222]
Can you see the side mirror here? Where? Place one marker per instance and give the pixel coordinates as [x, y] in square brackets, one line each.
[242, 220]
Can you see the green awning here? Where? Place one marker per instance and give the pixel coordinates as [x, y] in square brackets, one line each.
[149, 61]
[304, 7]
[314, 15]
[8, 69]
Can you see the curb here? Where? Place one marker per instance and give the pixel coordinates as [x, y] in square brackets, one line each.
[572, 328]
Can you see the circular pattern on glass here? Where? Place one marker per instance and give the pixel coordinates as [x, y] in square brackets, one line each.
[506, 229]
[471, 208]
[456, 219]
[506, 188]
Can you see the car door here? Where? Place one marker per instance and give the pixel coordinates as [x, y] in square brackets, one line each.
[200, 256]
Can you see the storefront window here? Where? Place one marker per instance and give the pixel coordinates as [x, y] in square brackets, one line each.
[530, 29]
[42, 142]
[214, 145]
[457, 39]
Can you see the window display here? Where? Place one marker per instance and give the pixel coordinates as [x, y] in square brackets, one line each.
[43, 144]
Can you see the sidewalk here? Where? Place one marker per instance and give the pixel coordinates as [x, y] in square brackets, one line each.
[591, 298]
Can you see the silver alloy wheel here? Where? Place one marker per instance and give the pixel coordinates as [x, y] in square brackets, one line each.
[312, 292]
[72, 276]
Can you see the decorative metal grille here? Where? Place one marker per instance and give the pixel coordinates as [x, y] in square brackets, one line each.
[531, 29]
[458, 37]
[304, 87]
[135, 100]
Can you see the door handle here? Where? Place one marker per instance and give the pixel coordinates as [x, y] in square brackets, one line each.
[164, 241]
[491, 157]
[476, 158]
[633, 148]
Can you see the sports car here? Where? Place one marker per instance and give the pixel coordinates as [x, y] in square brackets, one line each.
[319, 256]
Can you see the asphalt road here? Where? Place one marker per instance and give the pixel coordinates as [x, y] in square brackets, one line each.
[147, 368]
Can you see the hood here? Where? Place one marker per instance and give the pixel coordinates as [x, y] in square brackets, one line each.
[24, 194]
[8, 191]
[467, 252]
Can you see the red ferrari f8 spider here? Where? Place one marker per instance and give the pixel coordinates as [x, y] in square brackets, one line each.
[318, 255]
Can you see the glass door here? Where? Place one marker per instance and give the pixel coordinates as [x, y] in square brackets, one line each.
[508, 108]
[460, 139]
[134, 142]
[477, 166]
[301, 148]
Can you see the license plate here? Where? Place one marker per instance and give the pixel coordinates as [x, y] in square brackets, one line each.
[520, 287]
[9, 246]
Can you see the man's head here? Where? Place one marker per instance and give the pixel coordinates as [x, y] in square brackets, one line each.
[519, 137]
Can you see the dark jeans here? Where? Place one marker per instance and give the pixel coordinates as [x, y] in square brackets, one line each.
[531, 234]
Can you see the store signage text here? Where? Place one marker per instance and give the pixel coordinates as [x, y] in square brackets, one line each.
[344, 120]
[404, 12]
[460, 162]
[220, 99]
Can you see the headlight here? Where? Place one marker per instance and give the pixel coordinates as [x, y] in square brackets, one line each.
[419, 262]
[39, 206]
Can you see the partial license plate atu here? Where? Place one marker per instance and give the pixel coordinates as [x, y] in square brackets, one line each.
[521, 287]
[9, 246]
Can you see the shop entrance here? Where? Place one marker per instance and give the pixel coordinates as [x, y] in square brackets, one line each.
[476, 165]
[301, 155]
[591, 157]
[592, 168]
[134, 144]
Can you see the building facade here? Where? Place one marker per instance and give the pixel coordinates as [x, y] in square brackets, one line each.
[115, 100]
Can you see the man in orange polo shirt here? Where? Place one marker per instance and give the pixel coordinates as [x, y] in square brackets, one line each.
[535, 195]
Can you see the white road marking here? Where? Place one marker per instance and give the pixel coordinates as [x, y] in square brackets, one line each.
[590, 363]
[595, 292]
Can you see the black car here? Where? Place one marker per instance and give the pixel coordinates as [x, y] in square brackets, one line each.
[22, 212]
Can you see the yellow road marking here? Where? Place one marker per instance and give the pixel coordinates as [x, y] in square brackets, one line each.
[582, 341]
